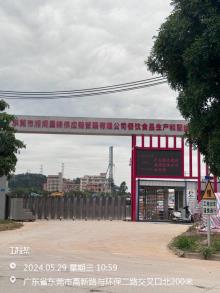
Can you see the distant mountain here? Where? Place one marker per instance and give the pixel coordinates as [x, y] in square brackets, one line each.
[27, 181]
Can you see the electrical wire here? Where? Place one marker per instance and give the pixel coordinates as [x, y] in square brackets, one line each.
[25, 95]
[76, 96]
[82, 90]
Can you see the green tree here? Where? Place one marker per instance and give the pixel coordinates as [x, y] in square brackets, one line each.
[9, 145]
[122, 188]
[77, 180]
[30, 182]
[187, 52]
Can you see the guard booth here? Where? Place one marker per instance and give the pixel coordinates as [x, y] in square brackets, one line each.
[165, 176]
[157, 198]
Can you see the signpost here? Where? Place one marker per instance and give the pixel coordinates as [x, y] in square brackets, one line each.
[209, 206]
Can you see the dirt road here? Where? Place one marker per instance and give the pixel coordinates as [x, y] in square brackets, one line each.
[121, 256]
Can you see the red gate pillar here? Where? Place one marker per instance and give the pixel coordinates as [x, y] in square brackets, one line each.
[133, 180]
[199, 196]
[190, 161]
[215, 184]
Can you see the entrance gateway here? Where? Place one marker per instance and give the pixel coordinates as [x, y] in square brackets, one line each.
[159, 158]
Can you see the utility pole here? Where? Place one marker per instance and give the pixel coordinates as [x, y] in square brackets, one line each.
[110, 167]
[62, 169]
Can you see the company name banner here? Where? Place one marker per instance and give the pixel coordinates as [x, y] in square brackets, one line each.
[98, 126]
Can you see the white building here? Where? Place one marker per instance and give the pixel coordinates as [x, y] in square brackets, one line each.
[94, 183]
[54, 183]
[58, 183]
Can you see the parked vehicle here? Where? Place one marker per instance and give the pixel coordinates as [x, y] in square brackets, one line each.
[184, 215]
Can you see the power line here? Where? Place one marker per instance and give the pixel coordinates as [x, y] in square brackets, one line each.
[83, 90]
[129, 86]
[78, 96]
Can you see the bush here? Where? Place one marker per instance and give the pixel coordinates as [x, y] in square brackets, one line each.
[185, 243]
[207, 252]
[216, 245]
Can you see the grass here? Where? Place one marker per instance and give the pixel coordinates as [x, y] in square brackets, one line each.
[216, 244]
[186, 243]
[192, 241]
[9, 225]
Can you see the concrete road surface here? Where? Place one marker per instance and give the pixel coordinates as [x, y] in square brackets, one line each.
[100, 256]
